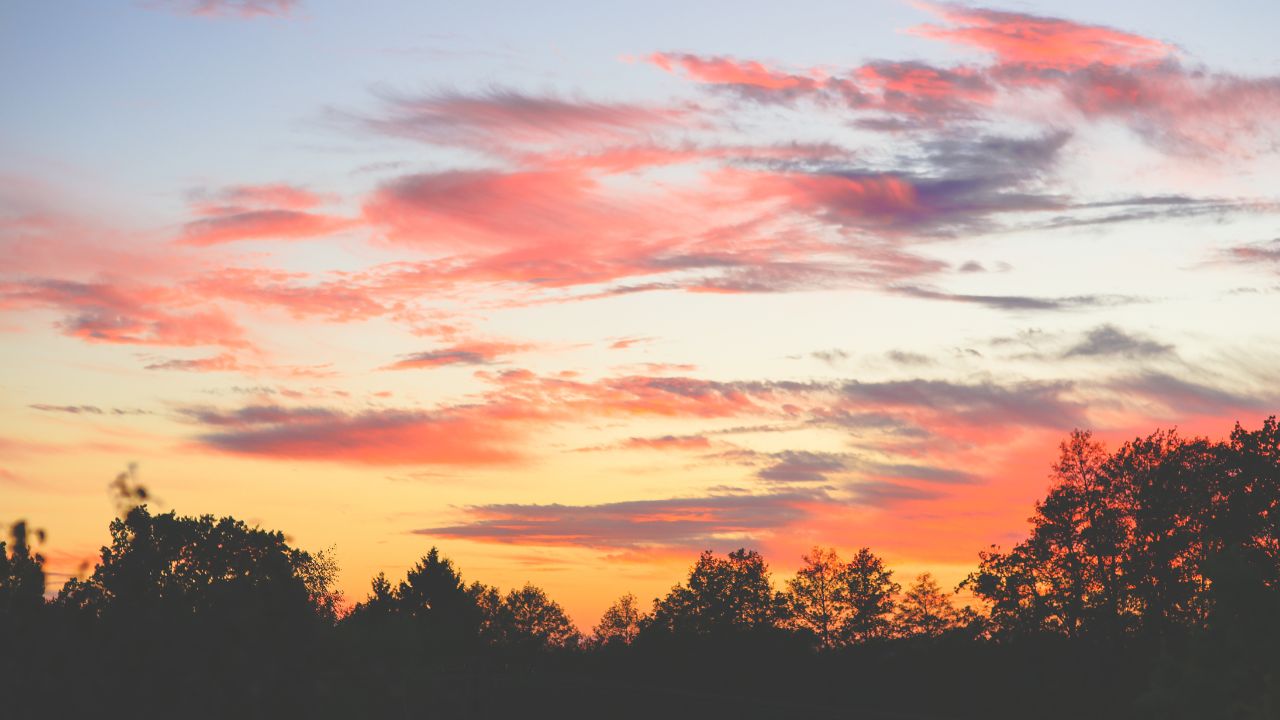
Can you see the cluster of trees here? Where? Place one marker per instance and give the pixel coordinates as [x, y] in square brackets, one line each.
[1169, 542]
[433, 608]
[1149, 584]
[1144, 539]
[829, 603]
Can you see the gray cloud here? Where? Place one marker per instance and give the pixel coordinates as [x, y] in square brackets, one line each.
[884, 494]
[1186, 396]
[460, 436]
[1018, 302]
[1036, 403]
[923, 473]
[1254, 253]
[1110, 341]
[499, 115]
[902, 357]
[833, 356]
[87, 410]
[799, 466]
[439, 358]
[688, 522]
[72, 409]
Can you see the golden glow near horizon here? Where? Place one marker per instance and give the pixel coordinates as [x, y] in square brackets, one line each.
[574, 309]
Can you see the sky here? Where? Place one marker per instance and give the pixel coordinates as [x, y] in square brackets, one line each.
[576, 290]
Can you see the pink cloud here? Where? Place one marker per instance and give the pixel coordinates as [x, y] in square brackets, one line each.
[499, 119]
[1045, 42]
[728, 71]
[278, 195]
[334, 300]
[261, 224]
[256, 212]
[1195, 111]
[873, 199]
[921, 90]
[230, 8]
[1098, 72]
[626, 342]
[103, 312]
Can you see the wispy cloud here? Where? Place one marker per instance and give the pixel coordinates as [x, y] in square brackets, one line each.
[228, 8]
[468, 353]
[259, 212]
[1019, 302]
[685, 522]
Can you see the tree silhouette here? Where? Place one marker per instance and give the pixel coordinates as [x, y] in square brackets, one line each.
[924, 610]
[488, 601]
[1126, 543]
[819, 596]
[530, 620]
[428, 615]
[1148, 584]
[196, 566]
[1069, 575]
[21, 574]
[210, 612]
[24, 623]
[842, 602]
[620, 623]
[319, 573]
[722, 596]
[870, 589]
[1163, 478]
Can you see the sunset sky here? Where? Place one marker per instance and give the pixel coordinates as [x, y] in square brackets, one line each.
[575, 290]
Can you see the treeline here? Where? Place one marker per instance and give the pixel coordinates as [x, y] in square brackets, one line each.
[1148, 586]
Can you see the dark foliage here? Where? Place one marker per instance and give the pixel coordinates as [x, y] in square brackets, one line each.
[1148, 586]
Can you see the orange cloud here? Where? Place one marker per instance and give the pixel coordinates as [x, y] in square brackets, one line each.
[373, 437]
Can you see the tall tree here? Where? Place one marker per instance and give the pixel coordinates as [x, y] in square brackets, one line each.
[925, 610]
[1166, 481]
[1068, 576]
[818, 596]
[531, 620]
[434, 599]
[869, 589]
[620, 623]
[723, 595]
